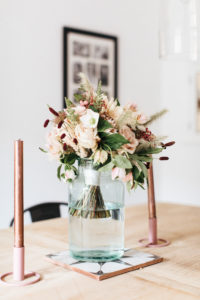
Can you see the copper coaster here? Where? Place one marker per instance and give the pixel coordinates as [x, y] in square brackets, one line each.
[130, 261]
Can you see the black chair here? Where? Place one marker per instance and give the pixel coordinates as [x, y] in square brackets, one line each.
[43, 211]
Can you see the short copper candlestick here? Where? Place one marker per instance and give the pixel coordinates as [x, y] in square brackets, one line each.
[18, 251]
[152, 241]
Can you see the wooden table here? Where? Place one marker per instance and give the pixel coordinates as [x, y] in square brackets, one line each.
[177, 277]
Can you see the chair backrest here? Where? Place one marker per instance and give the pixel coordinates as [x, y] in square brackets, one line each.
[43, 211]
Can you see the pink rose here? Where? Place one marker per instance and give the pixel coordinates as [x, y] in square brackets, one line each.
[142, 119]
[69, 174]
[128, 177]
[118, 173]
[130, 136]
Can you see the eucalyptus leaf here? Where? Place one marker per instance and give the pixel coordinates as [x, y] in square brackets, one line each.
[59, 171]
[150, 150]
[143, 168]
[41, 149]
[107, 167]
[122, 162]
[136, 172]
[141, 157]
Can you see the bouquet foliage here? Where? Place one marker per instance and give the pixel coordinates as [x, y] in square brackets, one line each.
[116, 138]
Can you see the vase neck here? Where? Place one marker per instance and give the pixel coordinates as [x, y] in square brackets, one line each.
[91, 175]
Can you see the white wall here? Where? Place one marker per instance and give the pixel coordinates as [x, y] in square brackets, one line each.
[179, 179]
[31, 77]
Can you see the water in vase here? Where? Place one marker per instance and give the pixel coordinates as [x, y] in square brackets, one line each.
[97, 238]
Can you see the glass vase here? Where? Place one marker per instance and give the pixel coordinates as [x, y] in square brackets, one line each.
[96, 215]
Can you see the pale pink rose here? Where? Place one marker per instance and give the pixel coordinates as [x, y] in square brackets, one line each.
[87, 137]
[132, 107]
[130, 136]
[118, 173]
[70, 174]
[53, 144]
[113, 110]
[128, 177]
[141, 118]
[79, 110]
[100, 156]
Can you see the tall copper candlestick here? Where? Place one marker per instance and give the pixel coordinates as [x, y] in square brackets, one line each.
[18, 267]
[18, 251]
[152, 207]
[152, 241]
[18, 195]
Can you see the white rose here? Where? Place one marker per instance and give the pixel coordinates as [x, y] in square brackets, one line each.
[90, 119]
[53, 145]
[87, 137]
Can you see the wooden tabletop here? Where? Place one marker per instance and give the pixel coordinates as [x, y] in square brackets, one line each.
[177, 277]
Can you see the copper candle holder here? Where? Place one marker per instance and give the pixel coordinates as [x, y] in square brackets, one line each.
[152, 240]
[18, 251]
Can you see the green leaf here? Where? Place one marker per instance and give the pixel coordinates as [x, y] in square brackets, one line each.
[118, 103]
[136, 172]
[122, 162]
[129, 185]
[143, 168]
[107, 167]
[43, 150]
[103, 125]
[140, 185]
[150, 150]
[93, 108]
[99, 88]
[140, 179]
[114, 141]
[78, 97]
[141, 158]
[58, 171]
[69, 159]
[68, 103]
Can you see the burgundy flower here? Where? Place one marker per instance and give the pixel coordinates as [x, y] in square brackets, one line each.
[163, 158]
[46, 123]
[53, 111]
[75, 141]
[169, 144]
[63, 136]
[60, 124]
[65, 147]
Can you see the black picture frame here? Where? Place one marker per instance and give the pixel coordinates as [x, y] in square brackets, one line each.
[66, 57]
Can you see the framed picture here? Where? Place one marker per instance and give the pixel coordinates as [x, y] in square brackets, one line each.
[92, 53]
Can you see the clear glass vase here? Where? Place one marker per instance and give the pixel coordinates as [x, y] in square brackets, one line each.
[96, 215]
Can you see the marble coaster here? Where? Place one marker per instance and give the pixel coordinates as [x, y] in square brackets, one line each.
[130, 261]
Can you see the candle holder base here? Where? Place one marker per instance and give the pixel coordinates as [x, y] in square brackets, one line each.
[35, 278]
[160, 243]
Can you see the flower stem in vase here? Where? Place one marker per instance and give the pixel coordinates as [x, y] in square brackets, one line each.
[91, 205]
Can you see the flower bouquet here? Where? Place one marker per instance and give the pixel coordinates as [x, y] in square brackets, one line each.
[115, 138]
